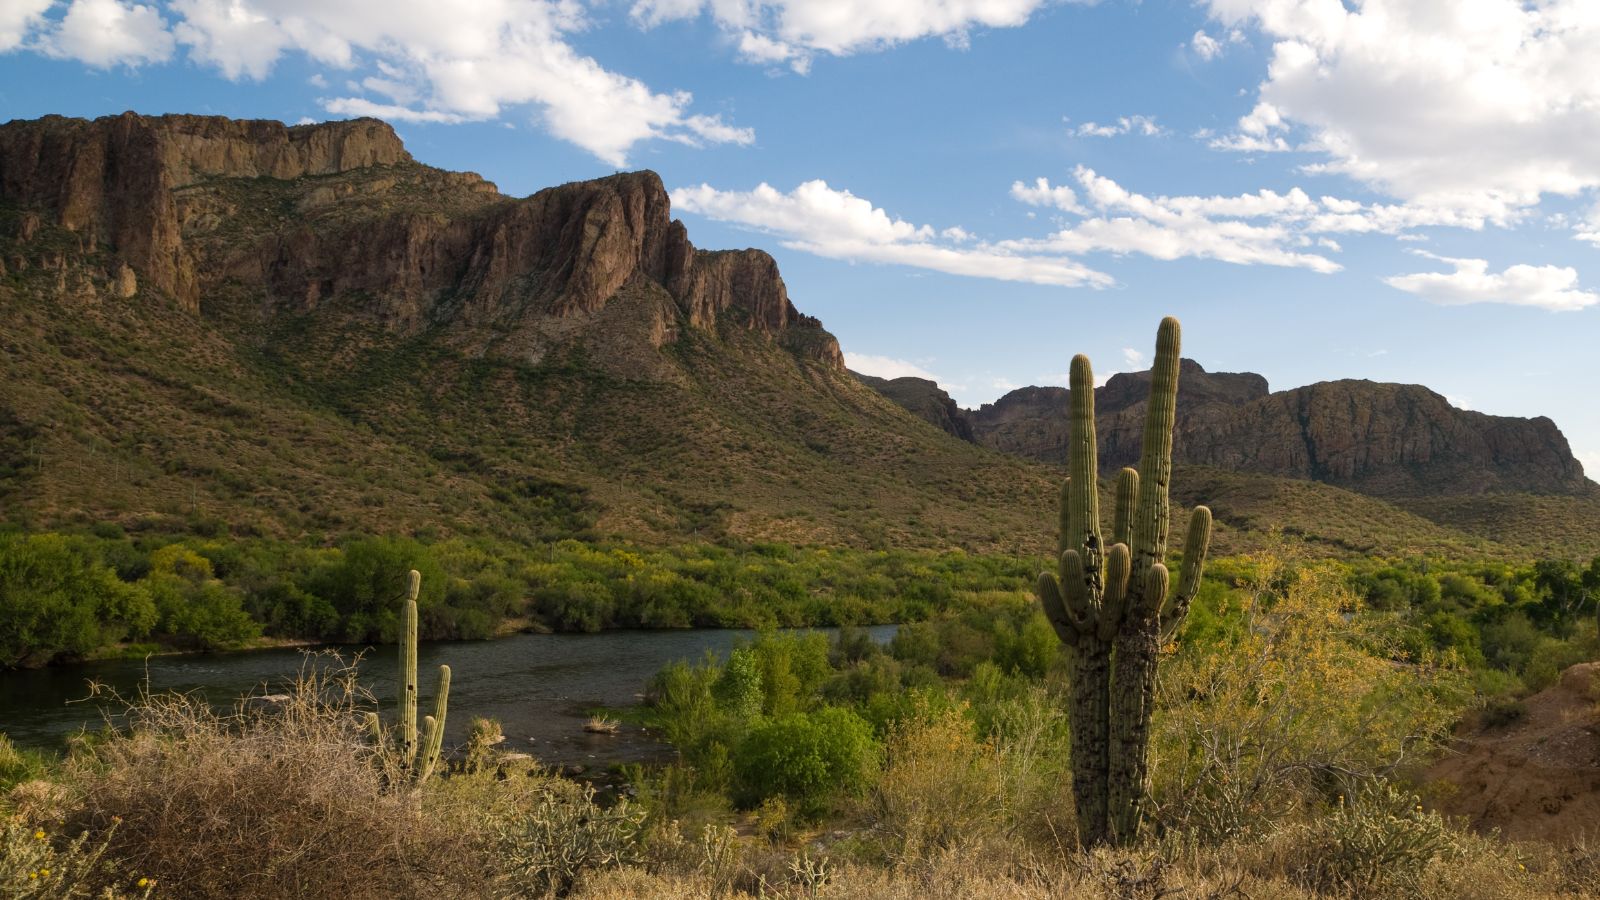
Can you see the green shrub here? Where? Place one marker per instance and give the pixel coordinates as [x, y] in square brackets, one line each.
[809, 759]
[59, 600]
[543, 848]
[1378, 842]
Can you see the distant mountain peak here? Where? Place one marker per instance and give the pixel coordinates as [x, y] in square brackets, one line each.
[1389, 440]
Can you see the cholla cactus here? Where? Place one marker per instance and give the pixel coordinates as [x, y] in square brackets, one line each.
[406, 748]
[1117, 599]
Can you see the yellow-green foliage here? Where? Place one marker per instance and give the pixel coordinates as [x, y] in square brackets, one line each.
[1295, 686]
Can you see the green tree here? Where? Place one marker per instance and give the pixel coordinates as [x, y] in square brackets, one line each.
[56, 600]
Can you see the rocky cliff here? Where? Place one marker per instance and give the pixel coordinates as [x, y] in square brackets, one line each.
[1389, 440]
[186, 206]
[926, 400]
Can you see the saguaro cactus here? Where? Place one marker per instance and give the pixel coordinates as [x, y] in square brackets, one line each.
[406, 747]
[1113, 607]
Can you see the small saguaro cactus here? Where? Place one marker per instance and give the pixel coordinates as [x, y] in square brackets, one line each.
[1112, 607]
[416, 761]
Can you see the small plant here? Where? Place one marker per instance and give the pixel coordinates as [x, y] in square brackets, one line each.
[544, 848]
[602, 725]
[1378, 841]
[36, 866]
[482, 737]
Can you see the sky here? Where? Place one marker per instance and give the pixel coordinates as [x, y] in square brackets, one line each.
[975, 190]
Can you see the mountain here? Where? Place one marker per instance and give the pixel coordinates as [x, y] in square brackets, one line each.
[240, 327]
[925, 400]
[302, 331]
[1394, 441]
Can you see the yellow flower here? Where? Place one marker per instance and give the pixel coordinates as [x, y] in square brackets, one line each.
[144, 882]
[39, 835]
[33, 875]
[44, 873]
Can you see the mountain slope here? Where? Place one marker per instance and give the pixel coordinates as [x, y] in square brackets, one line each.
[216, 325]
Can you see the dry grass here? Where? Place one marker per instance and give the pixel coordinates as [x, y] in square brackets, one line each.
[285, 801]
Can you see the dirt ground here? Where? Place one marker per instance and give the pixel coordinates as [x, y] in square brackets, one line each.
[1538, 778]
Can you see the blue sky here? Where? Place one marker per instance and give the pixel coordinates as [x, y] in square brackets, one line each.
[975, 190]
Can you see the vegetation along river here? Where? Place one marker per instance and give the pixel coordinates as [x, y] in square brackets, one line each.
[541, 687]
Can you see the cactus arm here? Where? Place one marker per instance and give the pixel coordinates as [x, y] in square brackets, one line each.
[374, 727]
[1055, 608]
[408, 671]
[1195, 546]
[1118, 567]
[1122, 518]
[1155, 460]
[1081, 605]
[434, 741]
[1083, 485]
[1156, 581]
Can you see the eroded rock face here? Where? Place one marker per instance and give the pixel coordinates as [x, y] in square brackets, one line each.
[111, 180]
[1384, 439]
[183, 204]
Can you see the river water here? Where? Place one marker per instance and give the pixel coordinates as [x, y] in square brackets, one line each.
[540, 686]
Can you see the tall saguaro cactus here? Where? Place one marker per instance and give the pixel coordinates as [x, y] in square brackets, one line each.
[1113, 607]
[432, 739]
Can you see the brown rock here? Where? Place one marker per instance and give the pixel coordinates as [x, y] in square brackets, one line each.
[160, 192]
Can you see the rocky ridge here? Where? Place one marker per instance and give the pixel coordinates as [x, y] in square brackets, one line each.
[1388, 440]
[185, 206]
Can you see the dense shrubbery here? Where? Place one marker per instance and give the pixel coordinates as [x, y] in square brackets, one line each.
[930, 767]
[70, 596]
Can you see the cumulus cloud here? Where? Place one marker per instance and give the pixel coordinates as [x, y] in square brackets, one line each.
[412, 60]
[105, 33]
[1481, 107]
[885, 366]
[1547, 287]
[18, 18]
[1289, 228]
[836, 224]
[1145, 125]
[1041, 193]
[793, 31]
[1248, 229]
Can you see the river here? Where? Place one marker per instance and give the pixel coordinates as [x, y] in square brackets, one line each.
[540, 686]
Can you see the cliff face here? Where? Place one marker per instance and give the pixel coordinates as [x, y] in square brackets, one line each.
[186, 204]
[1388, 440]
[926, 400]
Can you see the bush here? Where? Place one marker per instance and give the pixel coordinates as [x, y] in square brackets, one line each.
[287, 802]
[939, 786]
[544, 848]
[1379, 842]
[809, 759]
[60, 601]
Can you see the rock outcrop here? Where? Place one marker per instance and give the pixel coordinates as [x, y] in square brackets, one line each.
[308, 213]
[924, 399]
[1388, 440]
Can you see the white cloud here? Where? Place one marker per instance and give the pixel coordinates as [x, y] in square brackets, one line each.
[885, 366]
[836, 224]
[1145, 125]
[410, 60]
[1481, 107]
[1132, 357]
[1170, 228]
[1206, 46]
[792, 31]
[18, 18]
[105, 33]
[1548, 287]
[1040, 193]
